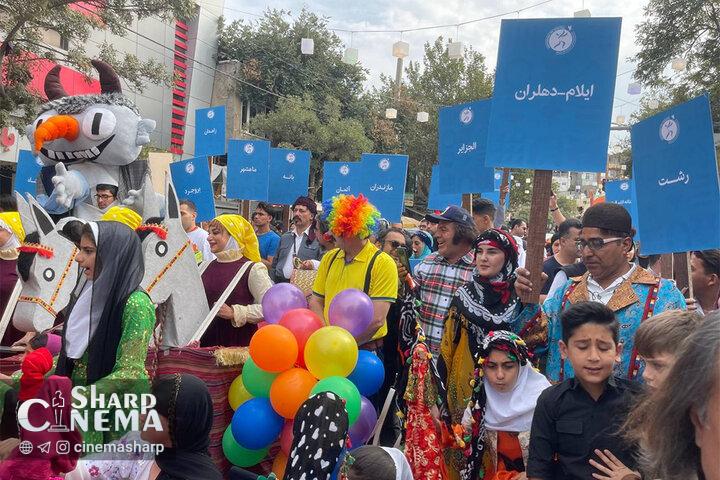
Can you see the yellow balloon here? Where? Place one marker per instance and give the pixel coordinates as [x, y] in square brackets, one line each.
[331, 351]
[237, 395]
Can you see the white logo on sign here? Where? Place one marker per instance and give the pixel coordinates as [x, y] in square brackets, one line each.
[290, 157]
[384, 164]
[344, 170]
[498, 176]
[466, 116]
[560, 40]
[624, 186]
[189, 168]
[669, 129]
[211, 114]
[249, 148]
[39, 162]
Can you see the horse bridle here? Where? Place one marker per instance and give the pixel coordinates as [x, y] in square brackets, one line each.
[53, 298]
[167, 267]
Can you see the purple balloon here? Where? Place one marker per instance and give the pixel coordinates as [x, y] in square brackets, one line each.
[279, 299]
[362, 429]
[352, 310]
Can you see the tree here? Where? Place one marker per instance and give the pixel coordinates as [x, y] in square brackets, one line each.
[269, 53]
[24, 22]
[520, 201]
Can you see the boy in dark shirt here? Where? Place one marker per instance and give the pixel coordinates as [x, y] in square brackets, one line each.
[579, 415]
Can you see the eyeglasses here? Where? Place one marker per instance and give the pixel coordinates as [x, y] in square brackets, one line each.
[394, 243]
[595, 244]
[104, 196]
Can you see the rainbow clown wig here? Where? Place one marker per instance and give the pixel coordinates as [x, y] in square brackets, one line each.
[350, 216]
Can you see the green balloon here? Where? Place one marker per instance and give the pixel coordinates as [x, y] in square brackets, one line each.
[238, 455]
[256, 380]
[345, 389]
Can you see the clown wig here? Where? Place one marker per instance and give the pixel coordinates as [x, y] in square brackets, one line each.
[351, 216]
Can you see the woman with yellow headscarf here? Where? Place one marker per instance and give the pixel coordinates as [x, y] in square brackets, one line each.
[234, 243]
[11, 236]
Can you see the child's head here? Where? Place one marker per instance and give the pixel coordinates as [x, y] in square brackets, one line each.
[590, 341]
[368, 463]
[660, 338]
[38, 341]
[503, 353]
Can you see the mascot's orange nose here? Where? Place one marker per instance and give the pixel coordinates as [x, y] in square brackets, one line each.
[58, 126]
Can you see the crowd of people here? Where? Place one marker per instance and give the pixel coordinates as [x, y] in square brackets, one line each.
[612, 375]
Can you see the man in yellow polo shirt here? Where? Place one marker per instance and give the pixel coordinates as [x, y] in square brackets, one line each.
[357, 263]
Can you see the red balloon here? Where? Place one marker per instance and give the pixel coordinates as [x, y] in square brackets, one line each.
[286, 437]
[302, 323]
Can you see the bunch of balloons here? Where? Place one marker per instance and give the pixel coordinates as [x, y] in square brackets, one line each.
[294, 356]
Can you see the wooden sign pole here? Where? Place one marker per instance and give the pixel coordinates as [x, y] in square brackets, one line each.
[666, 271]
[680, 270]
[542, 184]
[503, 184]
[691, 292]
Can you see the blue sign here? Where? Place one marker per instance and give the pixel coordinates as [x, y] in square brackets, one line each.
[622, 192]
[494, 196]
[553, 96]
[437, 200]
[26, 173]
[248, 169]
[192, 182]
[676, 178]
[383, 183]
[341, 178]
[462, 138]
[210, 131]
[289, 172]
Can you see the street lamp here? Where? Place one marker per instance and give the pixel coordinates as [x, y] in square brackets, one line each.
[307, 46]
[390, 113]
[455, 50]
[400, 50]
[423, 117]
[350, 56]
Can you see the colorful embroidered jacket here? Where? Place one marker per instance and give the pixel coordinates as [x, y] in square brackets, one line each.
[639, 297]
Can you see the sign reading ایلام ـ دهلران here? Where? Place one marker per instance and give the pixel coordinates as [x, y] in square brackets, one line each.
[676, 179]
[383, 183]
[553, 94]
[622, 192]
[248, 169]
[210, 131]
[341, 178]
[462, 138]
[288, 175]
[192, 182]
[437, 200]
[26, 173]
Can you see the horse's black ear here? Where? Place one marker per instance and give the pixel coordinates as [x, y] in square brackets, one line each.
[173, 208]
[44, 223]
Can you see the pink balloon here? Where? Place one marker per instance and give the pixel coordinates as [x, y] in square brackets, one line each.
[302, 323]
[352, 310]
[286, 437]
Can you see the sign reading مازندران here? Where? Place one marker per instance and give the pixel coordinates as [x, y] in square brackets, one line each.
[553, 94]
[26, 173]
[210, 131]
[622, 192]
[289, 171]
[192, 182]
[462, 138]
[437, 200]
[676, 179]
[341, 178]
[383, 182]
[248, 169]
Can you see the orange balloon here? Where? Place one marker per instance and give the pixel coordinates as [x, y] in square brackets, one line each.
[290, 389]
[274, 348]
[279, 464]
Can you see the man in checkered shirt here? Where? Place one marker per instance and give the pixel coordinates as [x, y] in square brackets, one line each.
[442, 272]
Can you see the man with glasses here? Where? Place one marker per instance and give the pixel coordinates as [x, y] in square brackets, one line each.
[105, 195]
[630, 291]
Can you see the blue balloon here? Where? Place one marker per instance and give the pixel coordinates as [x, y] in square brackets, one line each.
[255, 424]
[369, 373]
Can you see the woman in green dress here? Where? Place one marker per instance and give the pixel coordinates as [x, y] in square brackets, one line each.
[110, 321]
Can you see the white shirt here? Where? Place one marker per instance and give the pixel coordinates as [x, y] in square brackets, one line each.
[288, 265]
[199, 238]
[521, 251]
[603, 295]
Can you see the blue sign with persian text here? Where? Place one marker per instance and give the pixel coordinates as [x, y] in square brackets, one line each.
[622, 192]
[192, 182]
[26, 173]
[553, 94]
[289, 172]
[676, 179]
[248, 169]
[383, 182]
[437, 200]
[341, 178]
[210, 131]
[462, 138]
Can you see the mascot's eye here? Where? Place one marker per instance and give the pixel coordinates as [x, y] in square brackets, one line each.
[39, 120]
[49, 274]
[98, 123]
[161, 249]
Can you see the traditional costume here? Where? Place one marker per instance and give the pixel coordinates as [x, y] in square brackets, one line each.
[246, 297]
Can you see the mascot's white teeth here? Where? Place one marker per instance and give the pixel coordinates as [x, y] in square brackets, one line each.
[77, 155]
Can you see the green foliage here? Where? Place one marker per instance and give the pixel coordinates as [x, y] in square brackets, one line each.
[23, 23]
[520, 201]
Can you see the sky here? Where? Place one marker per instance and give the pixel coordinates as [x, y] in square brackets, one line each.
[375, 49]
